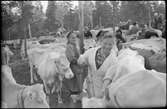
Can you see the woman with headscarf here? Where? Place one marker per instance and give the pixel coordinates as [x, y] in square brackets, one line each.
[73, 50]
[98, 59]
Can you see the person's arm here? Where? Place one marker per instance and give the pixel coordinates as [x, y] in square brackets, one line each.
[109, 77]
[106, 83]
[83, 59]
[110, 74]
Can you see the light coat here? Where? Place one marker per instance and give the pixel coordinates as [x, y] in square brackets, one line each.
[94, 80]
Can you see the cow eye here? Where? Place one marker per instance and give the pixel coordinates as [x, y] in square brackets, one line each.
[65, 69]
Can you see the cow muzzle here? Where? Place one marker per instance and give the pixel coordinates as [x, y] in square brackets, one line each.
[69, 75]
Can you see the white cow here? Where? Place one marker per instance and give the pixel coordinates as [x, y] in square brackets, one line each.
[52, 66]
[129, 61]
[94, 33]
[6, 55]
[134, 90]
[15, 95]
[140, 89]
[156, 44]
[132, 85]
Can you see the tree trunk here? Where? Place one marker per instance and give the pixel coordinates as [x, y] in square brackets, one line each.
[29, 30]
[91, 20]
[100, 22]
[25, 36]
[149, 13]
[9, 34]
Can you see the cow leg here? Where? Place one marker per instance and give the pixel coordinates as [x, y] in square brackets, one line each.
[53, 90]
[47, 91]
[59, 97]
[7, 59]
[31, 73]
[47, 99]
[59, 93]
[35, 78]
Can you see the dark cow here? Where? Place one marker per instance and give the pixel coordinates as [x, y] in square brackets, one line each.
[156, 61]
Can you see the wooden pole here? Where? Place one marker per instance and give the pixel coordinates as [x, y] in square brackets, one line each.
[100, 21]
[29, 30]
[9, 34]
[91, 14]
[25, 36]
[114, 16]
[81, 28]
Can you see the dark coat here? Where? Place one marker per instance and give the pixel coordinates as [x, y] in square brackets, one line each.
[75, 84]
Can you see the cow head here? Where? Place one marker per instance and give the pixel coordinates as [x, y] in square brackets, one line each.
[56, 68]
[131, 60]
[8, 51]
[63, 67]
[34, 97]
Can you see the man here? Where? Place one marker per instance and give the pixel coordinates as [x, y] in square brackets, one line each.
[87, 32]
[157, 21]
[119, 38]
[134, 29]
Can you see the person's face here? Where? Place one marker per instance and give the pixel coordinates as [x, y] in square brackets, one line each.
[72, 38]
[107, 44]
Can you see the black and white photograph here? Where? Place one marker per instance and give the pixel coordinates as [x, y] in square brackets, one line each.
[83, 54]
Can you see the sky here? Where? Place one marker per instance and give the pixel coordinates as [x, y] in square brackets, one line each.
[75, 3]
[45, 4]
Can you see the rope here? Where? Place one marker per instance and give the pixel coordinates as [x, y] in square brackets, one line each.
[20, 99]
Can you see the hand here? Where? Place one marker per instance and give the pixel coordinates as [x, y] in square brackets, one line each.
[105, 84]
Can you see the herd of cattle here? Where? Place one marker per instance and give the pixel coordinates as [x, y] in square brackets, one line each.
[138, 77]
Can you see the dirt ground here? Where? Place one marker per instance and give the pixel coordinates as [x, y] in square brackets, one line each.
[21, 73]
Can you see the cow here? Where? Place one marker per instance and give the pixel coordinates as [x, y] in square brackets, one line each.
[153, 51]
[149, 32]
[94, 33]
[135, 90]
[157, 62]
[60, 32]
[52, 66]
[125, 25]
[132, 68]
[128, 61]
[139, 89]
[6, 55]
[132, 85]
[156, 44]
[15, 95]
